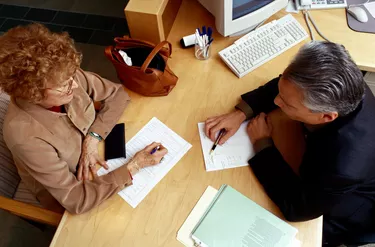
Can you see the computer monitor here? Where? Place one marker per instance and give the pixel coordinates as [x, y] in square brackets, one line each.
[235, 17]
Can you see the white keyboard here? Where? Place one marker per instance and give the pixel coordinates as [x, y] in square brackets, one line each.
[263, 44]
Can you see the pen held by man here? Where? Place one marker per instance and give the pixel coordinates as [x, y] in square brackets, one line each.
[221, 133]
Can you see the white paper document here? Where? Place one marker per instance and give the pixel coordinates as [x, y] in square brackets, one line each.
[146, 179]
[184, 234]
[234, 153]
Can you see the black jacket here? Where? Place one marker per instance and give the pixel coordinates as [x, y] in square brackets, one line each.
[337, 174]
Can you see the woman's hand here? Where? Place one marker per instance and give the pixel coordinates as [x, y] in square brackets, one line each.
[144, 158]
[89, 158]
[231, 122]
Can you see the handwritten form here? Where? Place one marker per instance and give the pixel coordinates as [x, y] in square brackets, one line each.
[147, 178]
[234, 153]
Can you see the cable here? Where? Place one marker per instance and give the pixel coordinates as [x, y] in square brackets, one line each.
[316, 28]
[307, 18]
[305, 13]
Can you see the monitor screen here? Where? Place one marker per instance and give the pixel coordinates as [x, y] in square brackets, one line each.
[244, 7]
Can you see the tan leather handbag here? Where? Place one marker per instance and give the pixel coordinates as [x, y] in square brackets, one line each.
[149, 74]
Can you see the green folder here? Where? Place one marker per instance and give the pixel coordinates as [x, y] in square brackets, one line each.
[233, 220]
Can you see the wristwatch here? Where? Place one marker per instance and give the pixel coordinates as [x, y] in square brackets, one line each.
[95, 135]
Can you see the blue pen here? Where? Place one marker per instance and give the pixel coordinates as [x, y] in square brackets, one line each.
[154, 150]
[209, 32]
[204, 30]
[199, 31]
[210, 41]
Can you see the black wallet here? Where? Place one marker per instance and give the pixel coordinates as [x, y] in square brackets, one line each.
[115, 143]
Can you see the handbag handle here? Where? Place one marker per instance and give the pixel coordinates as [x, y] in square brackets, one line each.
[125, 39]
[113, 57]
[154, 52]
[108, 52]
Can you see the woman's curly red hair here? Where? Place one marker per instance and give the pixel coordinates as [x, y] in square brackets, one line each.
[32, 56]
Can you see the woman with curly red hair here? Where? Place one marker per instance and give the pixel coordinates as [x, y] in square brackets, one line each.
[51, 126]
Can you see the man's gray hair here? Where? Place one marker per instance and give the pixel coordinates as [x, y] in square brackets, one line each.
[328, 76]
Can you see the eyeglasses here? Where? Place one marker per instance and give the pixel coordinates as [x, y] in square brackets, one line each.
[67, 88]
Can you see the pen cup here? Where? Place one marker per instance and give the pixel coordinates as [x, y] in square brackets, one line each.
[202, 52]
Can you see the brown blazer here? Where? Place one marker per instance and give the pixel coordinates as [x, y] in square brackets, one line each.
[46, 145]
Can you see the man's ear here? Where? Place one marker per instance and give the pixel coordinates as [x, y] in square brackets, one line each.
[329, 116]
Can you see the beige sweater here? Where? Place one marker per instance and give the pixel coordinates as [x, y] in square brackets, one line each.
[46, 145]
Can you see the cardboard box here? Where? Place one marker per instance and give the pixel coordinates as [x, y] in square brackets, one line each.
[151, 20]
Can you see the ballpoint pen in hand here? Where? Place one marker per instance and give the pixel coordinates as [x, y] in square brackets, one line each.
[156, 149]
[221, 133]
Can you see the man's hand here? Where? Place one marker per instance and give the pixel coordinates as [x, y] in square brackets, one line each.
[259, 127]
[89, 158]
[231, 122]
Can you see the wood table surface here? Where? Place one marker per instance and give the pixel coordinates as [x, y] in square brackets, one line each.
[204, 89]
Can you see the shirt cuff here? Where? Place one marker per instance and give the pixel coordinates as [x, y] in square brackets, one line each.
[100, 128]
[245, 108]
[122, 176]
[263, 144]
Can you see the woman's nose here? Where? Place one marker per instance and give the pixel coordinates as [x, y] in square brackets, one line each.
[75, 84]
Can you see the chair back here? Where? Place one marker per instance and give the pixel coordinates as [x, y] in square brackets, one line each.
[9, 178]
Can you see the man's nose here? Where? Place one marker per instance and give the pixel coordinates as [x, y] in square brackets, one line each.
[277, 101]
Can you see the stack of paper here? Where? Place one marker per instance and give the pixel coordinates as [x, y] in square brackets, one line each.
[236, 152]
[184, 234]
[146, 179]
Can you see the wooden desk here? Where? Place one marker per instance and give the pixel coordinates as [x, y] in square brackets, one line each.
[205, 88]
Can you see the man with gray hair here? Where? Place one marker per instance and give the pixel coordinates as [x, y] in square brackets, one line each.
[323, 89]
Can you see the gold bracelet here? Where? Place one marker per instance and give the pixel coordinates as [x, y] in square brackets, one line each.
[134, 164]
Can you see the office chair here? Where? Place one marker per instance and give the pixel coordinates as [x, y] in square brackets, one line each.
[14, 196]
